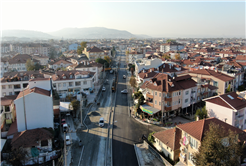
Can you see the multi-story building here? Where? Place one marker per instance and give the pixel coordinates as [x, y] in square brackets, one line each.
[13, 82]
[93, 53]
[73, 81]
[73, 47]
[44, 60]
[228, 107]
[59, 64]
[5, 48]
[34, 106]
[193, 134]
[147, 64]
[172, 46]
[4, 66]
[169, 94]
[133, 56]
[18, 62]
[31, 48]
[92, 67]
[8, 113]
[214, 78]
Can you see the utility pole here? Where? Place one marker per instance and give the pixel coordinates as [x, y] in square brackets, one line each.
[65, 150]
[24, 108]
[81, 104]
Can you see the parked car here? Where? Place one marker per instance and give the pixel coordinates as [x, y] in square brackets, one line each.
[68, 141]
[68, 114]
[103, 89]
[124, 91]
[111, 71]
[63, 121]
[65, 127]
[124, 76]
[101, 122]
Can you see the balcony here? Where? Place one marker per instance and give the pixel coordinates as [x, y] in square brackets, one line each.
[193, 91]
[240, 117]
[151, 104]
[149, 95]
[168, 108]
[184, 141]
[168, 99]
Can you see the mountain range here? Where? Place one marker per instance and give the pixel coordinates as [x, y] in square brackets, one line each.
[73, 33]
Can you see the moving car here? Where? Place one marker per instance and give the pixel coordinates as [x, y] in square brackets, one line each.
[103, 89]
[68, 141]
[124, 91]
[65, 127]
[111, 71]
[63, 121]
[124, 76]
[101, 122]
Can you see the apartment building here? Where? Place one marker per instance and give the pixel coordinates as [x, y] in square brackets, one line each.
[170, 94]
[93, 53]
[94, 67]
[18, 62]
[134, 55]
[59, 64]
[228, 107]
[4, 66]
[172, 46]
[214, 78]
[13, 82]
[74, 80]
[194, 132]
[43, 60]
[31, 48]
[8, 114]
[147, 64]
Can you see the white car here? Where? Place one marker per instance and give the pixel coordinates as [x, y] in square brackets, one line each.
[68, 142]
[124, 76]
[65, 128]
[124, 91]
[101, 122]
[103, 89]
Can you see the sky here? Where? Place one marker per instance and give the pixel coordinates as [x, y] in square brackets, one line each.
[156, 19]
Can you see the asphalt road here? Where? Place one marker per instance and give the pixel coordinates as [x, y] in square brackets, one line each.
[127, 130]
[95, 140]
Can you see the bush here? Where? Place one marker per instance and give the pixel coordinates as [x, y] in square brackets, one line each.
[151, 138]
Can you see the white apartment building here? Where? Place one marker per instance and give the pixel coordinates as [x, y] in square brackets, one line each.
[147, 64]
[133, 56]
[171, 47]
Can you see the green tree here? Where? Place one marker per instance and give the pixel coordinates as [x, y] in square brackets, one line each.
[62, 56]
[166, 56]
[18, 156]
[218, 148]
[177, 56]
[113, 51]
[108, 59]
[151, 138]
[228, 88]
[80, 48]
[75, 104]
[102, 61]
[201, 113]
[170, 40]
[30, 65]
[133, 81]
[52, 53]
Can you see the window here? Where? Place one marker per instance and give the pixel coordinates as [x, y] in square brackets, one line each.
[59, 84]
[84, 82]
[159, 94]
[10, 86]
[186, 100]
[64, 84]
[17, 86]
[54, 85]
[70, 83]
[44, 143]
[216, 83]
[3, 87]
[193, 143]
[156, 93]
[155, 102]
[78, 83]
[159, 103]
[10, 93]
[71, 76]
[187, 92]
[179, 92]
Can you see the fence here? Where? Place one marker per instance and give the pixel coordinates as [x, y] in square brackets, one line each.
[162, 159]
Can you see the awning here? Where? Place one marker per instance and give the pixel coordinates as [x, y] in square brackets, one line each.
[148, 109]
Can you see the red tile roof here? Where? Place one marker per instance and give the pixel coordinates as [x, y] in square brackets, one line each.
[95, 49]
[29, 138]
[223, 100]
[197, 129]
[7, 100]
[33, 90]
[170, 137]
[218, 75]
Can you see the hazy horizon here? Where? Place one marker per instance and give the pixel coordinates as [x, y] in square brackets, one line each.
[155, 19]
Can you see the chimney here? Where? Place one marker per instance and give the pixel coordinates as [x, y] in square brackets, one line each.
[150, 70]
[146, 74]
